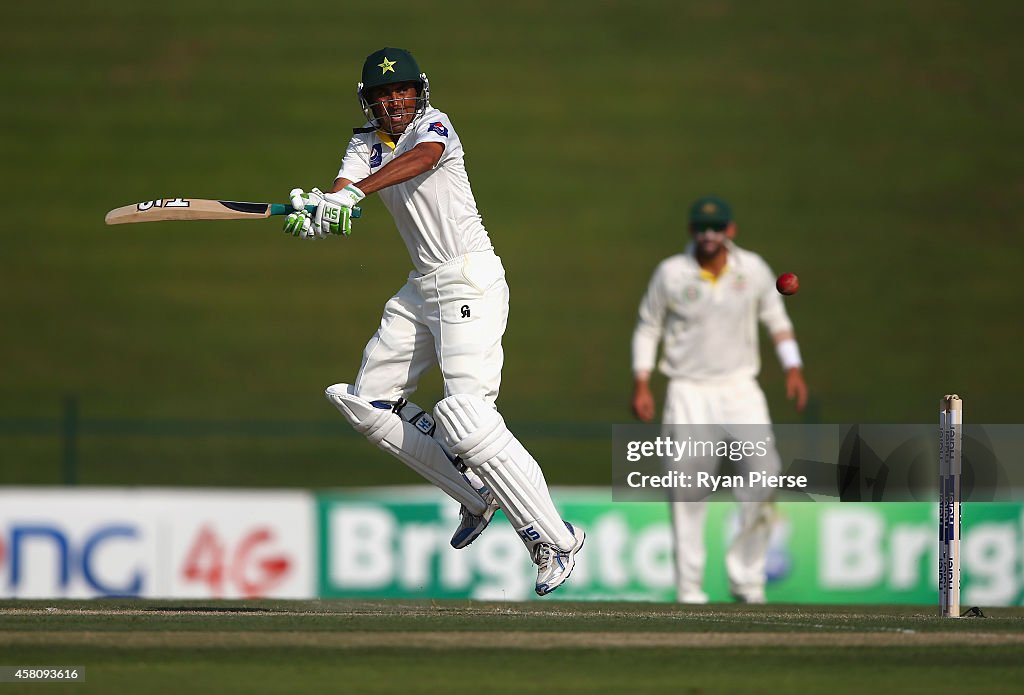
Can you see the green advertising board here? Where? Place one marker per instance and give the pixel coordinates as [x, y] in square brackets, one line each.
[393, 542]
[883, 553]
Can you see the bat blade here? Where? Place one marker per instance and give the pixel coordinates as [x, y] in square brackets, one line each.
[199, 209]
[187, 209]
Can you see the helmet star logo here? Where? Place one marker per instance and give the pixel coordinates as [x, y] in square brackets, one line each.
[387, 65]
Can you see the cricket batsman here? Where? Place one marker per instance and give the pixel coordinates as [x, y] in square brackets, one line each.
[451, 312]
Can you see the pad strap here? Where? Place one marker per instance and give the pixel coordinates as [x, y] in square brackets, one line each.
[475, 432]
[405, 431]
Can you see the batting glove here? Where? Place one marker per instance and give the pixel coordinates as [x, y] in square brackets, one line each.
[300, 222]
[299, 199]
[334, 214]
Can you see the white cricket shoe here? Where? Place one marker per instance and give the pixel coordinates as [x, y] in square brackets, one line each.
[472, 525]
[554, 565]
[752, 595]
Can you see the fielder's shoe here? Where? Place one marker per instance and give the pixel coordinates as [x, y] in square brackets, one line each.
[755, 595]
[472, 525]
[554, 565]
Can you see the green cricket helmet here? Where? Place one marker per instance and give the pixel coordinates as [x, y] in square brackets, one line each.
[389, 66]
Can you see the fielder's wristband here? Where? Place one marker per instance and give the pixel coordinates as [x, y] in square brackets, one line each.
[789, 354]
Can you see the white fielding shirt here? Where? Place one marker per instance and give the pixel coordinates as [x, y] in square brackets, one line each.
[709, 328]
[435, 212]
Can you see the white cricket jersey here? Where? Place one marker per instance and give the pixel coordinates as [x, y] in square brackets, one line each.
[435, 212]
[709, 328]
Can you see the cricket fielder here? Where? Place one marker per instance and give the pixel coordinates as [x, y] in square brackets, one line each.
[703, 306]
[451, 312]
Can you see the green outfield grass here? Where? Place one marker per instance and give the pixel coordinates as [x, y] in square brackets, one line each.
[871, 147]
[402, 647]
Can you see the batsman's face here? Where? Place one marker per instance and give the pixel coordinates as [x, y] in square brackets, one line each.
[394, 105]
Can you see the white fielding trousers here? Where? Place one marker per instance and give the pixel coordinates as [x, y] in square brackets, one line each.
[737, 401]
[455, 317]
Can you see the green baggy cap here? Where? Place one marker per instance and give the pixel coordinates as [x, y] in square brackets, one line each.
[710, 210]
[388, 66]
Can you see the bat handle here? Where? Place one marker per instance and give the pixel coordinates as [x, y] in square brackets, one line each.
[278, 209]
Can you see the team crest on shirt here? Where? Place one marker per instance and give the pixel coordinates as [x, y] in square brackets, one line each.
[438, 127]
[691, 293]
[739, 283]
[376, 155]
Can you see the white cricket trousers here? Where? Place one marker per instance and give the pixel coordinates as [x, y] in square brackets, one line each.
[738, 401]
[453, 316]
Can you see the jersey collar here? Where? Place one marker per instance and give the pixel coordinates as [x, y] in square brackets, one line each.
[707, 275]
[386, 139]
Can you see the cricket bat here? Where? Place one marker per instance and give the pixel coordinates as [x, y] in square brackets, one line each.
[200, 209]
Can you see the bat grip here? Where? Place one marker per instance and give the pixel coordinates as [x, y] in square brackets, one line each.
[278, 209]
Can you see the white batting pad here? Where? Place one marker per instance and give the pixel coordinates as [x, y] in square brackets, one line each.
[407, 437]
[474, 431]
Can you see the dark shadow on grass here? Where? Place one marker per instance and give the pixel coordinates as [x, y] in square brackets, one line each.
[207, 609]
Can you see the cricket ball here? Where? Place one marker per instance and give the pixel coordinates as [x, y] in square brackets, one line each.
[788, 283]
